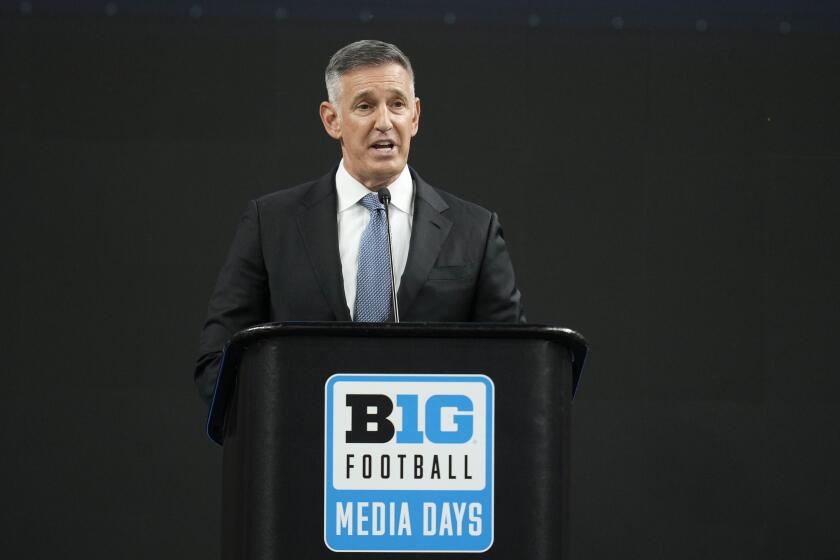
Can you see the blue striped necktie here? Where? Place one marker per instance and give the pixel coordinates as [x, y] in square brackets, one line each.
[373, 280]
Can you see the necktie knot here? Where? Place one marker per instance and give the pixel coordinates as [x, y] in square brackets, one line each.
[371, 202]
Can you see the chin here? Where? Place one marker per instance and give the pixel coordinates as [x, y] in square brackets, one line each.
[385, 171]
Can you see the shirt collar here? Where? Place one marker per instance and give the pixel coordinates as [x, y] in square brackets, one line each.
[350, 191]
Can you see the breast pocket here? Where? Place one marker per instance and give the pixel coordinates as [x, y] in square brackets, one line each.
[460, 272]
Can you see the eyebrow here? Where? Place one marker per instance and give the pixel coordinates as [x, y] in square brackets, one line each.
[366, 92]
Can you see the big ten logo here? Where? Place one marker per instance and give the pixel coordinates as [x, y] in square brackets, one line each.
[409, 463]
[448, 419]
[422, 433]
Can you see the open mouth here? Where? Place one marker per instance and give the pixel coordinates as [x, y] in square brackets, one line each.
[384, 147]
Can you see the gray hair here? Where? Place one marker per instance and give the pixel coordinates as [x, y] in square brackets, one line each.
[360, 54]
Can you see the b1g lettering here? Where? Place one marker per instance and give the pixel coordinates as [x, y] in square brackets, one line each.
[368, 411]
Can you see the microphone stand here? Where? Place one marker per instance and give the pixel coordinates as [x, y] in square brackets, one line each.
[385, 199]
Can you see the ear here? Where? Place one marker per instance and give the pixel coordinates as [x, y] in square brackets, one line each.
[329, 116]
[415, 119]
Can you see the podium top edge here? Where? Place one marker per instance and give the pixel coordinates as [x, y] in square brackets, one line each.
[424, 329]
[241, 340]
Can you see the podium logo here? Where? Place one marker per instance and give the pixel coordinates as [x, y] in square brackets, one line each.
[362, 419]
[408, 463]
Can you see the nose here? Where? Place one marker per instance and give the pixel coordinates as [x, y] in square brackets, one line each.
[383, 119]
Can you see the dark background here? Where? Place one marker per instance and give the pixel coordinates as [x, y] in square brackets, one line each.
[667, 175]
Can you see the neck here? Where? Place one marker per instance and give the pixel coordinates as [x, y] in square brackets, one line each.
[377, 186]
[374, 184]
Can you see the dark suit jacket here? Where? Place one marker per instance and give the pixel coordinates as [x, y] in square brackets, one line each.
[284, 265]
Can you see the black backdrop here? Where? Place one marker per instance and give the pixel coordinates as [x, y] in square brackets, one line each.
[670, 193]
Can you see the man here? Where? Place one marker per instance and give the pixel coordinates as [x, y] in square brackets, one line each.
[318, 251]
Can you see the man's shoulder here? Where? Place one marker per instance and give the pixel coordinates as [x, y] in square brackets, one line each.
[462, 205]
[297, 196]
[444, 201]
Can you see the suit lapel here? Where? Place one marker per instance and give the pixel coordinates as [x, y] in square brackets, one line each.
[319, 230]
[429, 230]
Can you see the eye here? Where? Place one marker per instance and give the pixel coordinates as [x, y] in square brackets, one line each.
[363, 106]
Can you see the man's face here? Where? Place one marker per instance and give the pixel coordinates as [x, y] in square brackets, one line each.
[376, 117]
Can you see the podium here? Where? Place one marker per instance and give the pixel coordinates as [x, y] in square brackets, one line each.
[350, 440]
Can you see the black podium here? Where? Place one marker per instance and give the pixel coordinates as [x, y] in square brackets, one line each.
[378, 440]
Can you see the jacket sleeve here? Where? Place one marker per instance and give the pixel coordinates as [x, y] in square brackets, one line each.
[497, 298]
[239, 300]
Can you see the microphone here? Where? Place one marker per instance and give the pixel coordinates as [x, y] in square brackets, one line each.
[385, 199]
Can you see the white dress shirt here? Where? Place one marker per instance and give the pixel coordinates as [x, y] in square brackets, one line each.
[353, 218]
